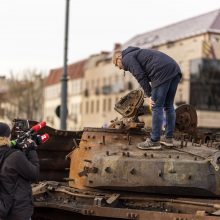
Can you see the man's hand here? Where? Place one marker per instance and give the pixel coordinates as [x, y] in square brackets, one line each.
[150, 102]
[29, 145]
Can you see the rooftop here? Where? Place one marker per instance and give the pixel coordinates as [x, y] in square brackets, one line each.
[75, 71]
[209, 22]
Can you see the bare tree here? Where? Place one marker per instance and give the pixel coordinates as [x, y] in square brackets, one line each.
[3, 95]
[25, 95]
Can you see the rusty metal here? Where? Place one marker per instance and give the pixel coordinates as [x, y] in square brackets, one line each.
[113, 198]
[129, 170]
[128, 105]
[186, 120]
[215, 160]
[109, 177]
[132, 206]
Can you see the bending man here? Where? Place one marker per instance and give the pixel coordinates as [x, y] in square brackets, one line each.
[158, 75]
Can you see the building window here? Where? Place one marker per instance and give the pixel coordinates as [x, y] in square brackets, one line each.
[97, 91]
[155, 47]
[106, 90]
[81, 86]
[97, 83]
[80, 107]
[72, 109]
[92, 107]
[104, 105]
[170, 44]
[77, 108]
[204, 84]
[110, 80]
[87, 85]
[97, 106]
[109, 104]
[86, 93]
[130, 86]
[87, 107]
[93, 84]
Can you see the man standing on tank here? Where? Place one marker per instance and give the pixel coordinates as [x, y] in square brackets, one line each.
[158, 75]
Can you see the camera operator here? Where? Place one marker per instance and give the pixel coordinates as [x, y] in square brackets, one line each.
[18, 169]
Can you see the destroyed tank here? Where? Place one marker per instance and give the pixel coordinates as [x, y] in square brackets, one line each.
[107, 176]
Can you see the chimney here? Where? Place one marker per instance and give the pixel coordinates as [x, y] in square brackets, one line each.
[117, 46]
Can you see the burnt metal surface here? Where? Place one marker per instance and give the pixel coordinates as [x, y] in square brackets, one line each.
[130, 107]
[129, 104]
[123, 206]
[110, 160]
[186, 119]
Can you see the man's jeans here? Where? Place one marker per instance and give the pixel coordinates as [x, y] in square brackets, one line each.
[163, 96]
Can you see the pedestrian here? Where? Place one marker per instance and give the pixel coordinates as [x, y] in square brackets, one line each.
[18, 169]
[158, 75]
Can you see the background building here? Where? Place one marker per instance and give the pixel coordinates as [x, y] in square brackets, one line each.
[193, 43]
[104, 85]
[52, 94]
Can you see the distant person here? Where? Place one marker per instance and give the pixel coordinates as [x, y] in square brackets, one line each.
[158, 75]
[105, 125]
[18, 169]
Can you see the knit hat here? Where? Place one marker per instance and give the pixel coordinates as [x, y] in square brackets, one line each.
[5, 130]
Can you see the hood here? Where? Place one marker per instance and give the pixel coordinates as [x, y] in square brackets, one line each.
[129, 50]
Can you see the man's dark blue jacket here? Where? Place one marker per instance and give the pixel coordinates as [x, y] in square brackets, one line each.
[148, 65]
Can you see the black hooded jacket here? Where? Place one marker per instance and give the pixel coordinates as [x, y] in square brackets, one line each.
[148, 65]
[17, 173]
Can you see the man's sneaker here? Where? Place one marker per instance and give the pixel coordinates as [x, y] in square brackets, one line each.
[167, 141]
[149, 145]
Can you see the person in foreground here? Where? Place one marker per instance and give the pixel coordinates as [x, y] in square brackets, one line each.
[17, 170]
[158, 75]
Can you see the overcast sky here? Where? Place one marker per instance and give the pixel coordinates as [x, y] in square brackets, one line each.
[32, 31]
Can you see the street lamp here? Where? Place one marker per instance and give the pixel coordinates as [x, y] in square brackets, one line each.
[64, 78]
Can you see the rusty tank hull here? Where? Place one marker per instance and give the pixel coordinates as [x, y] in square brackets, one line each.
[55, 200]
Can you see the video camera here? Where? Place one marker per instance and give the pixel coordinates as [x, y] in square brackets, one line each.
[26, 136]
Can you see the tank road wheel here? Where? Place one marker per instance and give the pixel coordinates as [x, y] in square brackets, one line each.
[186, 119]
